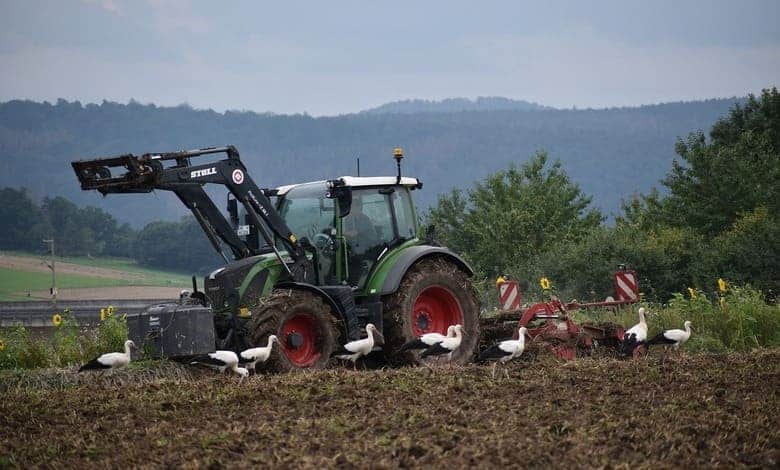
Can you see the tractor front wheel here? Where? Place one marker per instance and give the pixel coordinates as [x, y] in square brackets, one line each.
[433, 295]
[304, 325]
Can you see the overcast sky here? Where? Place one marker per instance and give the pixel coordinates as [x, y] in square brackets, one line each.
[337, 57]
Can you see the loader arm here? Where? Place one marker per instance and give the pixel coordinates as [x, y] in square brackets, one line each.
[148, 172]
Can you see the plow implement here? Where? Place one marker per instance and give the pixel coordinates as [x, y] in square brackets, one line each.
[550, 325]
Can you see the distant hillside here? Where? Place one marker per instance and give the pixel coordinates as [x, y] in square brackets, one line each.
[611, 153]
[449, 105]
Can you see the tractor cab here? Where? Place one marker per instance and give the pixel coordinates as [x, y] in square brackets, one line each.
[349, 223]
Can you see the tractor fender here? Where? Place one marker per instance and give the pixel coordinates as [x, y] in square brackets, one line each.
[412, 255]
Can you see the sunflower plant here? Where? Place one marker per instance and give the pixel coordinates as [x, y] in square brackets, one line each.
[66, 340]
[548, 288]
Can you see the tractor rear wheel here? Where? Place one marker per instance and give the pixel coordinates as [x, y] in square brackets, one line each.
[304, 325]
[433, 295]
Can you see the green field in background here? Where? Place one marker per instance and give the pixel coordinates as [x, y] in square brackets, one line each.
[14, 283]
[151, 277]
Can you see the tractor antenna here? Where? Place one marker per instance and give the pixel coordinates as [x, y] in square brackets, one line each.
[398, 154]
[358, 165]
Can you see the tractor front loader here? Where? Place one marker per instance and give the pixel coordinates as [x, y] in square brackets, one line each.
[313, 268]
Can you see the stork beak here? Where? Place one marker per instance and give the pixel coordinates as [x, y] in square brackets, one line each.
[378, 338]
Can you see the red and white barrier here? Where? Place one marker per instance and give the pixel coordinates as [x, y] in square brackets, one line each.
[509, 295]
[626, 285]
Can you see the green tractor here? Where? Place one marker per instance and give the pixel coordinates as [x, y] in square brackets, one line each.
[314, 266]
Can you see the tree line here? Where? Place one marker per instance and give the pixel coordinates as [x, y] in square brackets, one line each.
[90, 231]
[718, 218]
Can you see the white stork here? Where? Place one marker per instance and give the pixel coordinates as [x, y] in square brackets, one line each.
[447, 346]
[428, 339]
[222, 361]
[252, 356]
[354, 350]
[113, 360]
[504, 351]
[635, 336]
[674, 338]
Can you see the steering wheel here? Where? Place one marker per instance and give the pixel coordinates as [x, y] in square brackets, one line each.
[322, 241]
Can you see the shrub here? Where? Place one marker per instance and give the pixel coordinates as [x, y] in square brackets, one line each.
[741, 321]
[23, 351]
[68, 345]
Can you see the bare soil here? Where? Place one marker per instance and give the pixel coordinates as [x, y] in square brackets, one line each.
[37, 265]
[684, 412]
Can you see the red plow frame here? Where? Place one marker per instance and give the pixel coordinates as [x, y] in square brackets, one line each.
[549, 323]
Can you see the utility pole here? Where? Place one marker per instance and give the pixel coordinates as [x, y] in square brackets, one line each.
[50, 264]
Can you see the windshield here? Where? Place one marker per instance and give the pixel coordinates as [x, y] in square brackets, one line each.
[307, 211]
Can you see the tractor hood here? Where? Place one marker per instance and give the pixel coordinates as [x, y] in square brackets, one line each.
[221, 281]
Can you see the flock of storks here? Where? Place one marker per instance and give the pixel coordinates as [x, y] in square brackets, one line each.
[635, 338]
[431, 345]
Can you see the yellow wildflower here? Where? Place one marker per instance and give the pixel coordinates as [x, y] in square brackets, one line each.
[2, 345]
[692, 292]
[56, 319]
[545, 283]
[721, 285]
[500, 280]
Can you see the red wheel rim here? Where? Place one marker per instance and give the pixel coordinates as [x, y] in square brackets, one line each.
[298, 338]
[435, 309]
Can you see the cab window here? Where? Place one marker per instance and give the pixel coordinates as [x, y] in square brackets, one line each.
[307, 211]
[367, 229]
[404, 213]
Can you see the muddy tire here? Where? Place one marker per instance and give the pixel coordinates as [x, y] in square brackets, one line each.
[433, 294]
[304, 324]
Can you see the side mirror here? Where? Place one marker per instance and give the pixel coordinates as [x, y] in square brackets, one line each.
[344, 198]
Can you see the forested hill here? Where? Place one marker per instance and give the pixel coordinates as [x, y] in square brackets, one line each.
[483, 103]
[611, 153]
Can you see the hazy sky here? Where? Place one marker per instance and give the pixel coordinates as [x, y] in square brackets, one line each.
[336, 57]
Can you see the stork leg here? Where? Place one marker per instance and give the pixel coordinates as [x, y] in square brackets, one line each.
[506, 371]
[493, 374]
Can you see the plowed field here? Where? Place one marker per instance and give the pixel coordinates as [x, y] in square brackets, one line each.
[685, 412]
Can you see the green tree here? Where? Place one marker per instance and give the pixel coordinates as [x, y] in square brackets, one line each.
[747, 253]
[735, 172]
[175, 245]
[22, 225]
[720, 218]
[582, 269]
[513, 215]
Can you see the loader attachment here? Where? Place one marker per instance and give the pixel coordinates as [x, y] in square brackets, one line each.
[141, 174]
[137, 177]
[177, 172]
